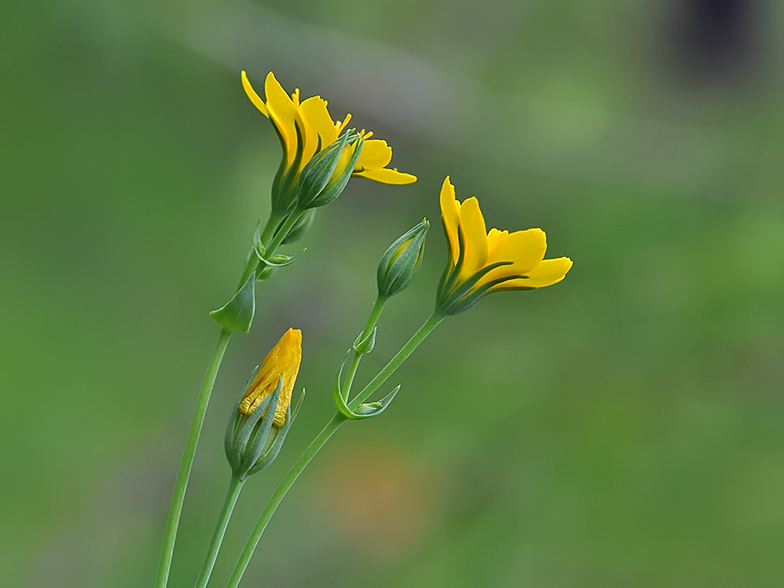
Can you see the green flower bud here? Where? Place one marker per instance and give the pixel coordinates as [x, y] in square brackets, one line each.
[399, 264]
[327, 173]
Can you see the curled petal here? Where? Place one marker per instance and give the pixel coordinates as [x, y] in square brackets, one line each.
[525, 249]
[375, 155]
[494, 238]
[386, 176]
[283, 114]
[318, 125]
[254, 98]
[547, 273]
[473, 224]
[450, 212]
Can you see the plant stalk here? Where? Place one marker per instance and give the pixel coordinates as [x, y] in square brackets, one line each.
[175, 510]
[235, 486]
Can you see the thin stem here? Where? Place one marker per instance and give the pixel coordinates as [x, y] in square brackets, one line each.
[269, 228]
[279, 494]
[253, 261]
[175, 510]
[357, 357]
[394, 363]
[283, 232]
[269, 250]
[235, 486]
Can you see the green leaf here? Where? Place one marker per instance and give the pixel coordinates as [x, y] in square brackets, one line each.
[237, 313]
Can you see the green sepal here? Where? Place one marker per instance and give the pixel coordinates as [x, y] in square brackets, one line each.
[279, 259]
[257, 234]
[235, 421]
[231, 433]
[449, 277]
[266, 273]
[371, 409]
[273, 448]
[337, 393]
[466, 292]
[247, 429]
[301, 227]
[365, 345]
[364, 411]
[261, 434]
[284, 195]
[237, 313]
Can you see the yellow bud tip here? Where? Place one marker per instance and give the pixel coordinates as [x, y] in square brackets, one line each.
[281, 362]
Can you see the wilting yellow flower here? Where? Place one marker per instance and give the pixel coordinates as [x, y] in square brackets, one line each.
[482, 262]
[281, 362]
[308, 126]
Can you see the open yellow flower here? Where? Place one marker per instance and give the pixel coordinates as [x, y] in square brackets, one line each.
[306, 127]
[281, 362]
[481, 262]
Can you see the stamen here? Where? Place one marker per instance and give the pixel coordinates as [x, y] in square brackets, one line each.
[342, 125]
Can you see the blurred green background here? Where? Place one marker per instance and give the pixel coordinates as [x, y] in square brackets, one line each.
[623, 428]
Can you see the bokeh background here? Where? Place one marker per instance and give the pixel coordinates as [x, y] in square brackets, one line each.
[624, 428]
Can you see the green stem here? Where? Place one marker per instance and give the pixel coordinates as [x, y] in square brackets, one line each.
[253, 261]
[277, 238]
[187, 459]
[235, 486]
[269, 228]
[394, 363]
[357, 357]
[283, 232]
[279, 494]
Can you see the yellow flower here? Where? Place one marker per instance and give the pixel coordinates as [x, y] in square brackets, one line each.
[281, 362]
[306, 127]
[482, 262]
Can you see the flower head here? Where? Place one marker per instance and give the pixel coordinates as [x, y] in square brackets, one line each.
[281, 362]
[481, 262]
[306, 127]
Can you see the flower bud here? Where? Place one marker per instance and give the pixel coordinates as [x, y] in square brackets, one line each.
[399, 264]
[262, 416]
[327, 173]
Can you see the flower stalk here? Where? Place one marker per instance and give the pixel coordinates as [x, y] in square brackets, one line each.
[235, 487]
[175, 510]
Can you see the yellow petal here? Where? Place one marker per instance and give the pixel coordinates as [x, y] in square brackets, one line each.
[257, 102]
[386, 176]
[525, 249]
[283, 114]
[494, 237]
[547, 273]
[375, 155]
[450, 213]
[318, 124]
[473, 224]
[282, 362]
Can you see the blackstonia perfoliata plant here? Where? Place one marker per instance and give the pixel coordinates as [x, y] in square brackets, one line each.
[319, 158]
